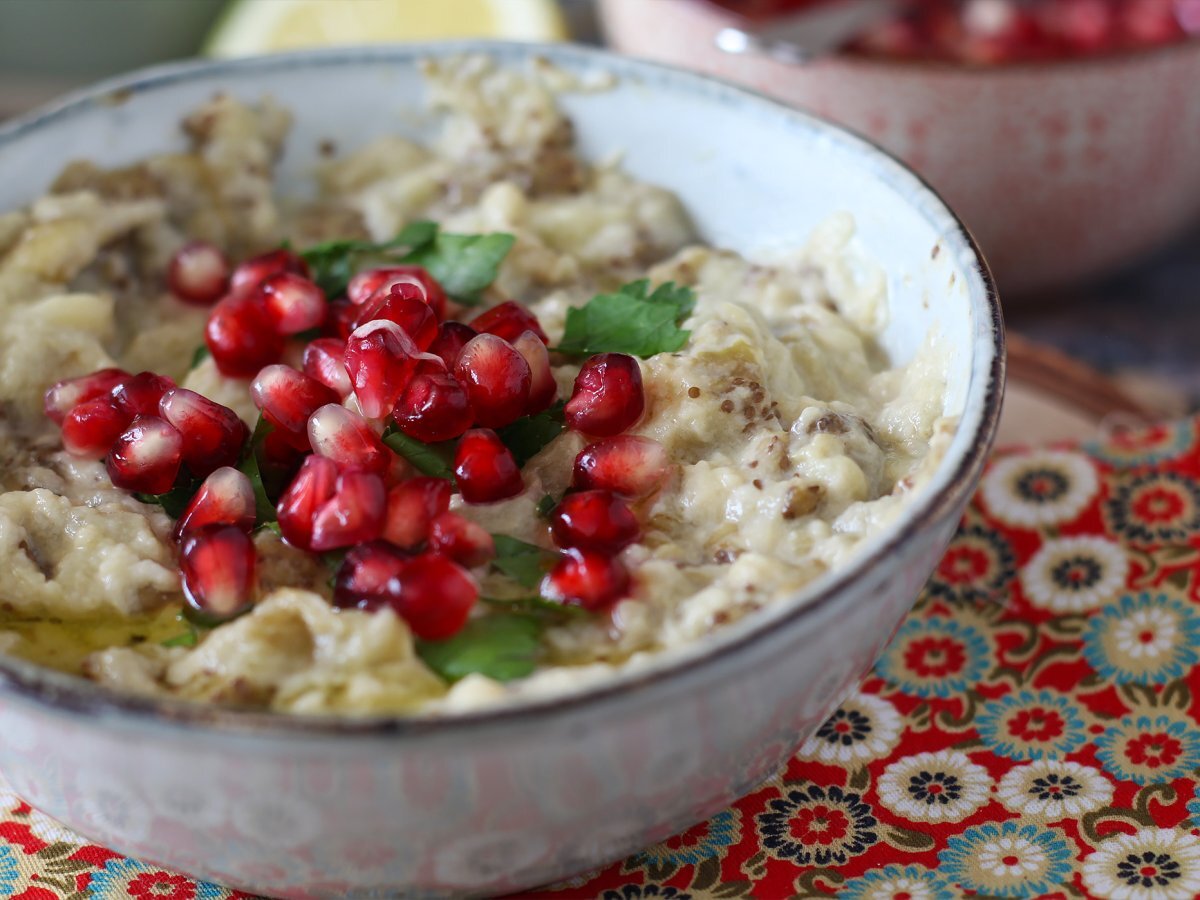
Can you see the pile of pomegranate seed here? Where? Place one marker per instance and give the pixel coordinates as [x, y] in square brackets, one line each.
[383, 359]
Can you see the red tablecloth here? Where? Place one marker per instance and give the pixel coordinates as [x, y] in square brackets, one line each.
[1031, 731]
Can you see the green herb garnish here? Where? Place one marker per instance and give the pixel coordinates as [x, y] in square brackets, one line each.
[632, 320]
[429, 459]
[529, 434]
[202, 353]
[522, 562]
[463, 264]
[539, 607]
[265, 482]
[502, 647]
[546, 505]
[176, 500]
[189, 638]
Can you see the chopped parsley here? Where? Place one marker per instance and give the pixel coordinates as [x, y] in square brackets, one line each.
[630, 320]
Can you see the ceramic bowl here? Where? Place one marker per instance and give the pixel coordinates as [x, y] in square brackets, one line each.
[504, 799]
[1064, 171]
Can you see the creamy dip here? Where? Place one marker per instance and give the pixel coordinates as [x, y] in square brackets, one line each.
[795, 438]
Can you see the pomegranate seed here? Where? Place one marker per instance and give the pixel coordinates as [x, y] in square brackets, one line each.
[65, 395]
[213, 435]
[312, 487]
[594, 520]
[198, 273]
[485, 469]
[608, 396]
[146, 456]
[346, 438]
[508, 320]
[451, 338]
[292, 302]
[254, 271]
[280, 452]
[219, 568]
[341, 318]
[225, 498]
[436, 596]
[325, 361]
[542, 387]
[497, 380]
[586, 578]
[380, 362]
[90, 429]
[288, 398]
[369, 576]
[411, 313]
[627, 464]
[433, 408]
[363, 285]
[241, 337]
[464, 541]
[140, 394]
[354, 514]
[411, 506]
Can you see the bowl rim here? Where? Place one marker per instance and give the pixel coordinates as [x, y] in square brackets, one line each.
[56, 692]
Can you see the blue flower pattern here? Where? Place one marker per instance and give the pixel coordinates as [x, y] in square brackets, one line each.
[891, 667]
[963, 850]
[1175, 663]
[993, 719]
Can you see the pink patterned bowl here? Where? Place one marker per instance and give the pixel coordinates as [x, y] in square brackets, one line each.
[1064, 171]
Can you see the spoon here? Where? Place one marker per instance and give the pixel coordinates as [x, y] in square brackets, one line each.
[805, 34]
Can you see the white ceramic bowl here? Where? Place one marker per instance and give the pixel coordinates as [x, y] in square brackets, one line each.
[1064, 171]
[502, 800]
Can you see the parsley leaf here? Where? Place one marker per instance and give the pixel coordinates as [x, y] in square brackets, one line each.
[463, 264]
[522, 562]
[265, 481]
[632, 320]
[546, 505]
[502, 647]
[334, 263]
[529, 434]
[429, 459]
[176, 500]
[537, 606]
[188, 638]
[202, 353]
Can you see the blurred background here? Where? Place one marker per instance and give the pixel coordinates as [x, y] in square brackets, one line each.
[1066, 133]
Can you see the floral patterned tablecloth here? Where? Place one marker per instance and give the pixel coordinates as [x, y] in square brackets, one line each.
[1033, 730]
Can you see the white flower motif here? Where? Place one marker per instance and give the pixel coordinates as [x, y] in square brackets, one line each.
[1151, 864]
[1040, 488]
[863, 728]
[51, 830]
[1075, 574]
[1053, 789]
[1147, 633]
[1012, 856]
[934, 787]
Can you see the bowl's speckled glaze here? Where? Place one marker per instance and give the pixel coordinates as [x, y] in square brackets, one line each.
[508, 798]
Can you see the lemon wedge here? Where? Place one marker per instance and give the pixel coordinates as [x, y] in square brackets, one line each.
[250, 27]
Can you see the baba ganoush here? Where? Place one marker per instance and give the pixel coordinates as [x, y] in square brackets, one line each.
[259, 499]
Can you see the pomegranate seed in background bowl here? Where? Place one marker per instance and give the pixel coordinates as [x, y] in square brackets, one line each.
[198, 273]
[325, 361]
[90, 428]
[626, 464]
[467, 543]
[586, 578]
[146, 457]
[412, 506]
[508, 320]
[140, 394]
[363, 285]
[219, 567]
[380, 360]
[411, 313]
[436, 596]
[213, 435]
[254, 271]
[241, 337]
[543, 389]
[433, 408]
[354, 514]
[225, 498]
[340, 319]
[369, 576]
[485, 469]
[313, 485]
[451, 338]
[594, 520]
[288, 398]
[497, 380]
[292, 303]
[65, 395]
[346, 438]
[608, 397]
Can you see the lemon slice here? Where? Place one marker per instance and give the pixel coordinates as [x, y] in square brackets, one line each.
[251, 27]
